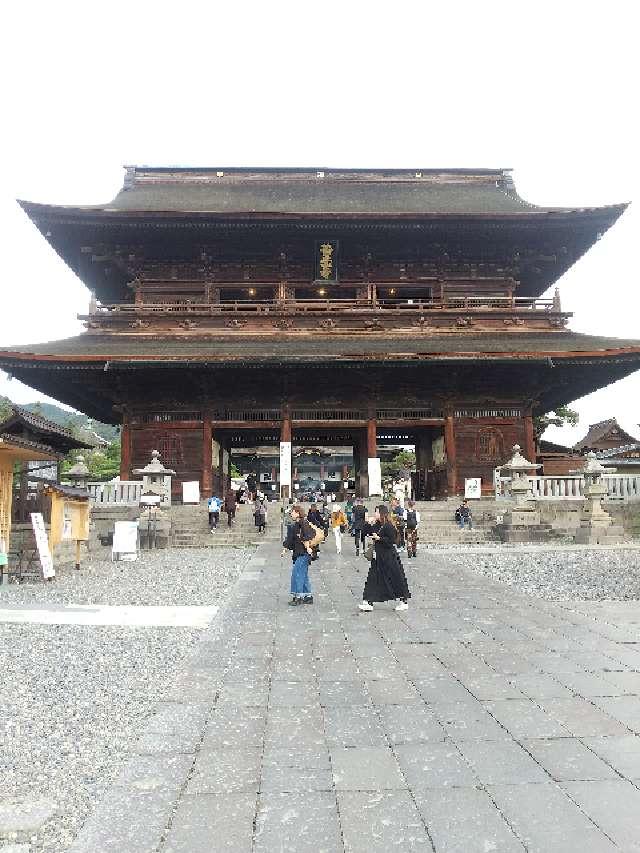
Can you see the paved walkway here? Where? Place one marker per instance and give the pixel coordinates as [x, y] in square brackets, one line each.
[479, 720]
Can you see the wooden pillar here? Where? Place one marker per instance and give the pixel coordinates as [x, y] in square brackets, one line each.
[221, 470]
[529, 438]
[285, 436]
[207, 473]
[125, 449]
[450, 448]
[372, 441]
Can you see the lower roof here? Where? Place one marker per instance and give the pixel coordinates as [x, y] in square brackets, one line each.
[231, 348]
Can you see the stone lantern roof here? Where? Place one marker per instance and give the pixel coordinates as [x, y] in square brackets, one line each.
[155, 467]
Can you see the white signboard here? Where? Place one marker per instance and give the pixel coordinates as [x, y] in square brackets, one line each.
[375, 476]
[125, 539]
[285, 463]
[42, 544]
[191, 492]
[472, 487]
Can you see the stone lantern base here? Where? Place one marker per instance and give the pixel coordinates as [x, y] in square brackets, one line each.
[597, 527]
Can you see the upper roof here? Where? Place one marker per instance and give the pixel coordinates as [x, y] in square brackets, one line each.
[317, 347]
[600, 436]
[320, 191]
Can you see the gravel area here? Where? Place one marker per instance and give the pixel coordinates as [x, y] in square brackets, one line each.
[556, 575]
[72, 697]
[196, 576]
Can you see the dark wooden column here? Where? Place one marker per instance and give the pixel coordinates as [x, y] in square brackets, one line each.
[221, 470]
[450, 448]
[207, 473]
[125, 449]
[529, 438]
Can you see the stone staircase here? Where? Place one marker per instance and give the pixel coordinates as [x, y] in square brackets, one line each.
[438, 526]
[190, 527]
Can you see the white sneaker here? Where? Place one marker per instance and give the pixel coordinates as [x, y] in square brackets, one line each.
[402, 606]
[365, 606]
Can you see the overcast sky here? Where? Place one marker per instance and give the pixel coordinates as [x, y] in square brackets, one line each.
[549, 89]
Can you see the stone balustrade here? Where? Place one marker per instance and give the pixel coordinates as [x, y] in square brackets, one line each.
[620, 487]
[121, 493]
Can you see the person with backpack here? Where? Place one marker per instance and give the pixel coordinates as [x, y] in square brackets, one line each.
[213, 508]
[230, 506]
[359, 523]
[411, 520]
[386, 580]
[260, 515]
[299, 540]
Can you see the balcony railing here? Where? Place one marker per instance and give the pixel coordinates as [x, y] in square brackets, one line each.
[303, 306]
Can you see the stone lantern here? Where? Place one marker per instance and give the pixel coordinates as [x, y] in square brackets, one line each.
[156, 479]
[524, 515]
[596, 525]
[79, 473]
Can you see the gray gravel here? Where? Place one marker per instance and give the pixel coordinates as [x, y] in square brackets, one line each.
[189, 576]
[556, 575]
[72, 697]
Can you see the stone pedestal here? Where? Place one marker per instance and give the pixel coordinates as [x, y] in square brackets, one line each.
[154, 528]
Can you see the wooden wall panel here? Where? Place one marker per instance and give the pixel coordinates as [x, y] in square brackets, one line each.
[180, 448]
[484, 443]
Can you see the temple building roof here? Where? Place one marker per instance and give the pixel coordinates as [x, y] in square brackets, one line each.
[321, 191]
[33, 430]
[604, 435]
[316, 347]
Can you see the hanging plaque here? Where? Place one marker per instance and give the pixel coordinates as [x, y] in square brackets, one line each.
[326, 261]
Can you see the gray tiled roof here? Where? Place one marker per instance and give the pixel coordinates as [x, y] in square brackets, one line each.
[316, 347]
[301, 191]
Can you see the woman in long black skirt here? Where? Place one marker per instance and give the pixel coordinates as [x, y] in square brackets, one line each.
[386, 580]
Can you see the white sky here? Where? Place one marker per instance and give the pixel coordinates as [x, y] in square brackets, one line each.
[549, 89]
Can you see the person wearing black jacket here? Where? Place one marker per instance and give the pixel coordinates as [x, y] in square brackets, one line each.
[299, 535]
[359, 523]
[314, 517]
[386, 580]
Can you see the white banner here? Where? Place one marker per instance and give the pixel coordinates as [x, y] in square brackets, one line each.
[191, 492]
[285, 463]
[42, 544]
[125, 538]
[472, 487]
[375, 476]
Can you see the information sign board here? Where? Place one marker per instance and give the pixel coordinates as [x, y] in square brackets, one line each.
[42, 544]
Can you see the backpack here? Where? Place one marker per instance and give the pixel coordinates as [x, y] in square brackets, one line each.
[318, 537]
[412, 521]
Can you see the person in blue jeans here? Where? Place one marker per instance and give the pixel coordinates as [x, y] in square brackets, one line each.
[299, 536]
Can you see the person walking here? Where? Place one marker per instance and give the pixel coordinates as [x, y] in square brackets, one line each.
[411, 520]
[230, 506]
[299, 537]
[260, 515]
[213, 508]
[397, 519]
[338, 524]
[386, 579]
[359, 523]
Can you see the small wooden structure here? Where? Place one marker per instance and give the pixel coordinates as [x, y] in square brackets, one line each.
[69, 517]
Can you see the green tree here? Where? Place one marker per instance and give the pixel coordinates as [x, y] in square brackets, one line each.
[562, 416]
[404, 460]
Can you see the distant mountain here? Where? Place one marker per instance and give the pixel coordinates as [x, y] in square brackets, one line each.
[71, 420]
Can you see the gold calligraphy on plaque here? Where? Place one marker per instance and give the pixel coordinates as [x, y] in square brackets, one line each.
[326, 260]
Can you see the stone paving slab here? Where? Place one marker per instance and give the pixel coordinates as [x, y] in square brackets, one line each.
[465, 820]
[478, 720]
[381, 821]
